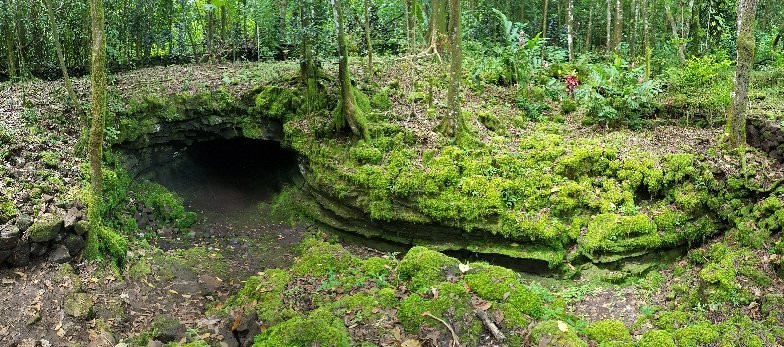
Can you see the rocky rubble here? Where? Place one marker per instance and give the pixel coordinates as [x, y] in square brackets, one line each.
[55, 235]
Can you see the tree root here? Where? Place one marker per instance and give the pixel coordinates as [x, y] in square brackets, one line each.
[455, 341]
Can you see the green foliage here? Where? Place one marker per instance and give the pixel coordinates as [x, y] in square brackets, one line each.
[321, 258]
[167, 206]
[550, 333]
[701, 87]
[618, 94]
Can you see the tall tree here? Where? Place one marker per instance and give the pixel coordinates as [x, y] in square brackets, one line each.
[98, 97]
[617, 33]
[453, 123]
[570, 28]
[367, 38]
[63, 68]
[736, 118]
[608, 43]
[544, 19]
[347, 112]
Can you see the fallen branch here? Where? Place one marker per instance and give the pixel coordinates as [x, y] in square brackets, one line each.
[499, 336]
[455, 340]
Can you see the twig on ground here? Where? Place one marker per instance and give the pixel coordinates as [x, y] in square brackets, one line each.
[499, 336]
[455, 340]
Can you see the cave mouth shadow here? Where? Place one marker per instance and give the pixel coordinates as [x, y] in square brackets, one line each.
[226, 175]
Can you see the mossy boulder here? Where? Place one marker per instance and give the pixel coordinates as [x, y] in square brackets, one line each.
[656, 338]
[45, 228]
[321, 258]
[556, 334]
[7, 209]
[608, 330]
[266, 290]
[319, 328]
[499, 284]
[610, 232]
[425, 268]
[700, 334]
[78, 305]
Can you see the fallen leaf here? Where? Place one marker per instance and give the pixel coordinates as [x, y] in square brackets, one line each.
[463, 267]
[562, 326]
[410, 343]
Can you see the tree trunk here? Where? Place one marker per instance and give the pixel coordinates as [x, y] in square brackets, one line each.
[223, 24]
[452, 124]
[8, 31]
[347, 113]
[570, 28]
[617, 35]
[210, 30]
[589, 29]
[674, 28]
[63, 68]
[282, 23]
[608, 43]
[98, 92]
[367, 38]
[544, 19]
[736, 120]
[410, 25]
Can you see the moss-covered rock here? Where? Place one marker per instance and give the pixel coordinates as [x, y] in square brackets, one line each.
[274, 102]
[700, 334]
[424, 268]
[45, 228]
[608, 330]
[78, 305]
[555, 333]
[320, 328]
[656, 338]
[321, 258]
[267, 292]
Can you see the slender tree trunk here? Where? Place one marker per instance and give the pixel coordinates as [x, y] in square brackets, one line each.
[544, 19]
[736, 120]
[223, 24]
[98, 92]
[608, 43]
[38, 49]
[61, 58]
[8, 31]
[210, 30]
[410, 25]
[570, 28]
[674, 28]
[646, 40]
[634, 42]
[452, 124]
[618, 34]
[367, 38]
[589, 29]
[348, 113]
[282, 23]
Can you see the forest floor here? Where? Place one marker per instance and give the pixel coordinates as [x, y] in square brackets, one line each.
[182, 276]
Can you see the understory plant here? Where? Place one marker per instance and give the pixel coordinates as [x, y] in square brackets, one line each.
[618, 94]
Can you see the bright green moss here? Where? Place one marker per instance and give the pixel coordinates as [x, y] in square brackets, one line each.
[274, 102]
[451, 296]
[377, 267]
[611, 232]
[548, 333]
[424, 268]
[700, 334]
[608, 330]
[8, 210]
[380, 100]
[365, 153]
[45, 228]
[321, 258]
[656, 338]
[266, 292]
[167, 206]
[492, 282]
[51, 159]
[671, 320]
[387, 297]
[320, 328]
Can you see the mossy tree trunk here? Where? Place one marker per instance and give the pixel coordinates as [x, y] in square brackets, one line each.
[98, 97]
[61, 58]
[367, 38]
[410, 16]
[736, 118]
[308, 73]
[544, 18]
[282, 23]
[347, 112]
[453, 123]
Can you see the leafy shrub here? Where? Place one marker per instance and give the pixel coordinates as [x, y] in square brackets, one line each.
[618, 94]
[701, 87]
